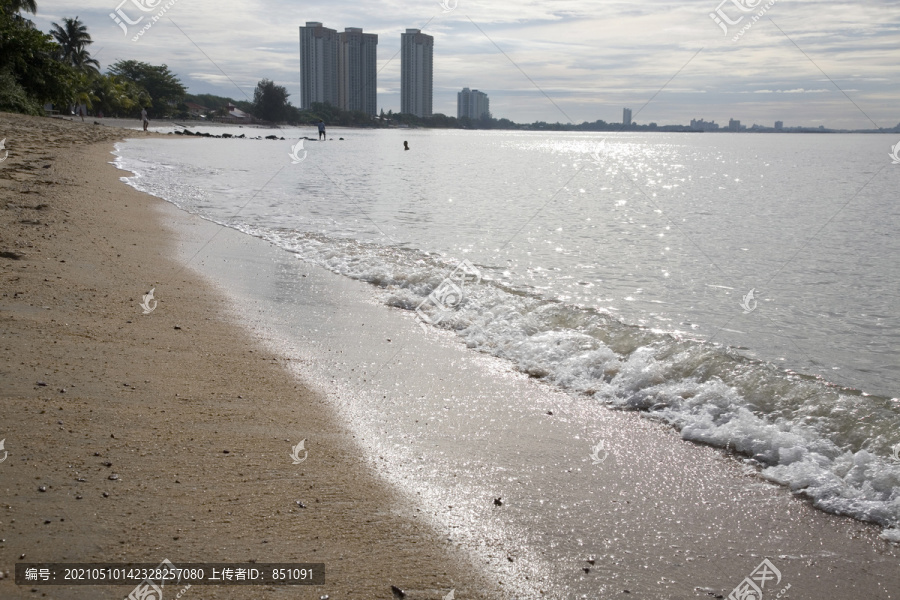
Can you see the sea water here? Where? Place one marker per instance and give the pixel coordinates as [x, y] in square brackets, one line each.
[740, 287]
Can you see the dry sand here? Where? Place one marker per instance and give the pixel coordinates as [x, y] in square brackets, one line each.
[192, 416]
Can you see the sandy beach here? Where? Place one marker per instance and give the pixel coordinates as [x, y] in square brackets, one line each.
[134, 437]
[194, 419]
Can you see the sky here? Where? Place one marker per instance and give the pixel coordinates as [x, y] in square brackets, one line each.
[803, 62]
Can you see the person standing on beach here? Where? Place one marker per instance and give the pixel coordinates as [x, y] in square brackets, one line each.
[145, 118]
[405, 145]
[321, 129]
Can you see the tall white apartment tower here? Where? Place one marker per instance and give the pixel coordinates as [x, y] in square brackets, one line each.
[357, 70]
[472, 104]
[416, 69]
[318, 65]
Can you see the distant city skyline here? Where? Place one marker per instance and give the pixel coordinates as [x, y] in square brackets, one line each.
[567, 61]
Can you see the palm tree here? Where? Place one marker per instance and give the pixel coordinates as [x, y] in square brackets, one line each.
[14, 6]
[73, 39]
[83, 62]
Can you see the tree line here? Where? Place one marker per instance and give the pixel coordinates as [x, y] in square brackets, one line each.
[37, 68]
[57, 68]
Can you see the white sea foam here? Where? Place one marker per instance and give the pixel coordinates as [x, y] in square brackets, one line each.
[802, 433]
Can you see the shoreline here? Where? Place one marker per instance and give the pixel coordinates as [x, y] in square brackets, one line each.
[194, 418]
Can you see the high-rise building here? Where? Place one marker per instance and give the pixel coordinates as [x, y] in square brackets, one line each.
[626, 117]
[416, 69]
[472, 104]
[356, 70]
[734, 125]
[701, 125]
[339, 69]
[779, 125]
[318, 65]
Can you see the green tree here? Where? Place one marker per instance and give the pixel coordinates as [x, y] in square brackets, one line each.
[73, 39]
[210, 101]
[270, 102]
[164, 89]
[117, 96]
[15, 6]
[14, 98]
[29, 64]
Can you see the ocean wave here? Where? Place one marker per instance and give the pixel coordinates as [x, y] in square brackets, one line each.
[830, 444]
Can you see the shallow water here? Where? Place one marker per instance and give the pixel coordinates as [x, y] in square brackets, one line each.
[618, 267]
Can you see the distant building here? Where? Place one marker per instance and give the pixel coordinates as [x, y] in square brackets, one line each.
[356, 70]
[196, 110]
[626, 117]
[779, 125]
[235, 114]
[318, 65]
[472, 104]
[734, 125]
[416, 70]
[701, 125]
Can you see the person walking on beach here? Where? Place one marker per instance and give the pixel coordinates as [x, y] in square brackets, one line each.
[145, 118]
[321, 129]
[405, 145]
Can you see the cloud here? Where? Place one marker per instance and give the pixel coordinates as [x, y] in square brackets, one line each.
[794, 91]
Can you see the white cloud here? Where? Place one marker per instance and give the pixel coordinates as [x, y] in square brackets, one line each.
[794, 91]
